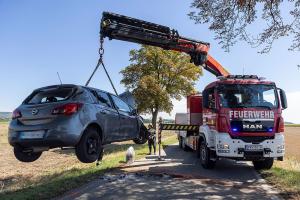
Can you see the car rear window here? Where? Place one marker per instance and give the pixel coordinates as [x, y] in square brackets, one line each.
[50, 95]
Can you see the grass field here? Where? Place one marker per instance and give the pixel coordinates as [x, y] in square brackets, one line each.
[292, 125]
[57, 171]
[286, 175]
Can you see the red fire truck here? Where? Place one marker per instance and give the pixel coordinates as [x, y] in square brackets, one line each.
[237, 117]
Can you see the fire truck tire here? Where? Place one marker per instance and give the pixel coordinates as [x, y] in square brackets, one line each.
[205, 160]
[263, 164]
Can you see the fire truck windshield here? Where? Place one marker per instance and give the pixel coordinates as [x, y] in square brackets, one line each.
[248, 96]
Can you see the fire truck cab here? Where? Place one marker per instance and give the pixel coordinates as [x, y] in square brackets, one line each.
[239, 117]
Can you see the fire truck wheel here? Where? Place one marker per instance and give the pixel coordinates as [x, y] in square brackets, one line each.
[205, 156]
[263, 164]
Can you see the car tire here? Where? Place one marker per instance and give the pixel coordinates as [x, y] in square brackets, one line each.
[142, 139]
[205, 156]
[263, 164]
[89, 148]
[26, 156]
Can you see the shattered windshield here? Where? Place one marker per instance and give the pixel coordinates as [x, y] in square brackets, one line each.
[247, 96]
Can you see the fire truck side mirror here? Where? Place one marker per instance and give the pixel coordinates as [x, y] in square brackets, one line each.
[283, 99]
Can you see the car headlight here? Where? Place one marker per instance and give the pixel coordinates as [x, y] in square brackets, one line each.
[280, 147]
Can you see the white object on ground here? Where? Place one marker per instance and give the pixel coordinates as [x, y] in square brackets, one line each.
[130, 155]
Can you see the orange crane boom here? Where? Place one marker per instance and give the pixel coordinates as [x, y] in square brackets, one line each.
[115, 26]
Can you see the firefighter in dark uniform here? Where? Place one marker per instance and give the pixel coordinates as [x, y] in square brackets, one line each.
[151, 139]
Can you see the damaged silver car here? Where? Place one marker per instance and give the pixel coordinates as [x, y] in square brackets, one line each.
[72, 116]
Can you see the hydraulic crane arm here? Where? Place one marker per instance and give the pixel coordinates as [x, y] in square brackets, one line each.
[125, 28]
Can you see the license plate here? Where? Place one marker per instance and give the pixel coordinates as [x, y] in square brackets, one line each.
[32, 134]
[254, 147]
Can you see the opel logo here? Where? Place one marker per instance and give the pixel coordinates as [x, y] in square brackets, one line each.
[34, 111]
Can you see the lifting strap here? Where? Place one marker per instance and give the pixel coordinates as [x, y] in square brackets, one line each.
[100, 62]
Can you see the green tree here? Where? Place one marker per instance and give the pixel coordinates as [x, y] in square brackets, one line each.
[231, 21]
[155, 76]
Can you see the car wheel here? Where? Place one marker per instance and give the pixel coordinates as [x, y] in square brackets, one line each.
[24, 156]
[206, 162]
[142, 139]
[263, 164]
[89, 148]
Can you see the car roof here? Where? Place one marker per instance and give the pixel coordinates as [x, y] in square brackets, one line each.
[72, 85]
[56, 86]
[91, 88]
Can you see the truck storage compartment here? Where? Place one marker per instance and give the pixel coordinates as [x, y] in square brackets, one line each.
[194, 109]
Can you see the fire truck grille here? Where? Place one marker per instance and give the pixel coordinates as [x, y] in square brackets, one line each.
[253, 139]
[252, 126]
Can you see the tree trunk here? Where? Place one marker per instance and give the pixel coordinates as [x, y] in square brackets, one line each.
[154, 118]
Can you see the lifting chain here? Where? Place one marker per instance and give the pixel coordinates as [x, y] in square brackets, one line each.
[101, 49]
[100, 62]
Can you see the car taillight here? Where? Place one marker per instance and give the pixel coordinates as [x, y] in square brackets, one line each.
[67, 109]
[222, 125]
[16, 114]
[280, 127]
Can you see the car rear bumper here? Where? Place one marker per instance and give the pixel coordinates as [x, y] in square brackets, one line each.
[236, 149]
[59, 135]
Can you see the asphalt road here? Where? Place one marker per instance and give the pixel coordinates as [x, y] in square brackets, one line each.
[179, 176]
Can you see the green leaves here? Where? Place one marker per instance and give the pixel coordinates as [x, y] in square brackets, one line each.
[233, 20]
[156, 76]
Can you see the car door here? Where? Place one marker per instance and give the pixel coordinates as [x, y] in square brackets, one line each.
[128, 120]
[107, 116]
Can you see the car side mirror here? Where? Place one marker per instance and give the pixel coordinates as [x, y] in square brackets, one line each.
[283, 99]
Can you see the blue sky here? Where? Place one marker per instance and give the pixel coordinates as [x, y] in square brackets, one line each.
[40, 38]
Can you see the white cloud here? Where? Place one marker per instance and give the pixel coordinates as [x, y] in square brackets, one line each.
[178, 107]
